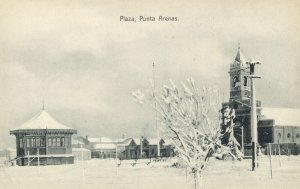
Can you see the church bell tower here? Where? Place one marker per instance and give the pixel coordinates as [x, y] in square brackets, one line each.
[239, 82]
[239, 98]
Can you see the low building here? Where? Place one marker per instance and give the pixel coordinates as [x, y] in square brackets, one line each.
[81, 154]
[3, 157]
[124, 148]
[280, 126]
[166, 149]
[104, 150]
[101, 147]
[127, 149]
[147, 147]
[8, 156]
[78, 142]
[43, 140]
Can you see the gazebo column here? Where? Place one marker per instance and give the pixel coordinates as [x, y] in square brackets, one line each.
[46, 143]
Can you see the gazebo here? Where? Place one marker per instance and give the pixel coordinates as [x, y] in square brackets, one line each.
[43, 141]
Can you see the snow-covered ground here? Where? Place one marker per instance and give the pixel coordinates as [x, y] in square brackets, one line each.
[104, 174]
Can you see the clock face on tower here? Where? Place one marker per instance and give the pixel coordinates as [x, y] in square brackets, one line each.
[237, 123]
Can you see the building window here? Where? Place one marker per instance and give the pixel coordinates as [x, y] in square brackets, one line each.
[49, 141]
[21, 142]
[236, 82]
[32, 142]
[279, 135]
[297, 136]
[28, 142]
[53, 141]
[289, 135]
[43, 142]
[57, 141]
[38, 142]
[62, 141]
[245, 81]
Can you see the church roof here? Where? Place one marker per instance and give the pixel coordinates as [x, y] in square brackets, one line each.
[282, 116]
[42, 121]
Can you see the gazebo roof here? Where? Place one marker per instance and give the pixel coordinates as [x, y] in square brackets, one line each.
[42, 121]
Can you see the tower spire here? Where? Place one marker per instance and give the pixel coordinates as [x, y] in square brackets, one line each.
[239, 56]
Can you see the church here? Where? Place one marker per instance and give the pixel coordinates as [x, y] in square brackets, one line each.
[278, 126]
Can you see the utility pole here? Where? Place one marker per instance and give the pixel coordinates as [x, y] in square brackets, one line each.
[156, 127]
[242, 132]
[254, 142]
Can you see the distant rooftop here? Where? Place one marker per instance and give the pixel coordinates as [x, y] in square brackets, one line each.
[123, 142]
[103, 146]
[99, 140]
[282, 116]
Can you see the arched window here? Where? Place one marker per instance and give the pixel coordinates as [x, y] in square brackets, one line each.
[279, 135]
[235, 82]
[298, 135]
[288, 135]
[245, 81]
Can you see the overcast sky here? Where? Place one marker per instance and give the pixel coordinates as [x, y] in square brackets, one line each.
[85, 63]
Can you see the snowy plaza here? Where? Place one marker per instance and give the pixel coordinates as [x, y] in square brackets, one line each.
[95, 174]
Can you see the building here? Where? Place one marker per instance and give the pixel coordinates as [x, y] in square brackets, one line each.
[3, 157]
[81, 154]
[43, 140]
[7, 157]
[147, 147]
[101, 147]
[280, 126]
[166, 149]
[275, 125]
[122, 148]
[239, 99]
[126, 148]
[78, 142]
[104, 150]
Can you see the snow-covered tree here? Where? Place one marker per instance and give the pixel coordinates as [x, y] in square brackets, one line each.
[191, 120]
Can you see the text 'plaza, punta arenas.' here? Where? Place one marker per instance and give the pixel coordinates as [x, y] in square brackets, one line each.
[44, 141]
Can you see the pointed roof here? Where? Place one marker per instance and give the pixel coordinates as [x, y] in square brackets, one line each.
[42, 121]
[123, 142]
[239, 56]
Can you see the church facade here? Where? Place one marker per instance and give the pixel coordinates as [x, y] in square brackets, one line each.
[271, 127]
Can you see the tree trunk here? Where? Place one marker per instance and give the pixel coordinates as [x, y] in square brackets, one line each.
[197, 180]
